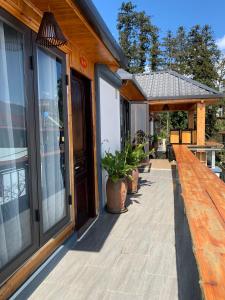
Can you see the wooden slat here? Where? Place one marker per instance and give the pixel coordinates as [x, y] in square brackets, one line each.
[204, 199]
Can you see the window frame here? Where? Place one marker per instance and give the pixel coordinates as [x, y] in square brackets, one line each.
[45, 236]
[19, 259]
[33, 145]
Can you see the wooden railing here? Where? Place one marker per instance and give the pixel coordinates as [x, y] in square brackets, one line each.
[204, 200]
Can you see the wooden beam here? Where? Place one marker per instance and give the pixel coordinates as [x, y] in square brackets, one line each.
[201, 123]
[177, 101]
[191, 119]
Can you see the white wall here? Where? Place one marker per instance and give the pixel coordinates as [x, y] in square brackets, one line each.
[110, 123]
[139, 118]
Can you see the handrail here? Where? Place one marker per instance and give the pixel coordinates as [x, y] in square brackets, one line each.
[203, 194]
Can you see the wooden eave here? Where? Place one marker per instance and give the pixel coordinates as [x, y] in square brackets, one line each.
[178, 105]
[131, 92]
[173, 107]
[183, 101]
[76, 28]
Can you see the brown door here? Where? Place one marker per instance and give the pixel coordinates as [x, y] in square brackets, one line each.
[83, 149]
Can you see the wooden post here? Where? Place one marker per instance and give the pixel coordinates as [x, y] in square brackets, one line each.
[191, 119]
[201, 123]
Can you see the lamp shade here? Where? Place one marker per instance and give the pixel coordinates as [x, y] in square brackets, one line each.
[49, 34]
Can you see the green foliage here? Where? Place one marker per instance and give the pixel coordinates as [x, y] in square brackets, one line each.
[179, 120]
[135, 154]
[192, 52]
[116, 165]
[138, 38]
[162, 134]
[122, 163]
[203, 55]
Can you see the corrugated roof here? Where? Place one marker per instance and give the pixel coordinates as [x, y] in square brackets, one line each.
[124, 75]
[171, 85]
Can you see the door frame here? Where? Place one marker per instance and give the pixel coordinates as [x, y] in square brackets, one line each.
[92, 210]
[44, 237]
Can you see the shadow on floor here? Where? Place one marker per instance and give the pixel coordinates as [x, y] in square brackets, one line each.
[187, 272]
[91, 242]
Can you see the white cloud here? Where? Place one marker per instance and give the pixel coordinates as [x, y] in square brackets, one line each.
[221, 43]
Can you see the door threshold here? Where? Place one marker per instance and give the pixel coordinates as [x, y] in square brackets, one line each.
[85, 228]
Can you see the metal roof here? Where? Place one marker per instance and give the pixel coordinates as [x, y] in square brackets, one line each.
[96, 21]
[169, 84]
[124, 75]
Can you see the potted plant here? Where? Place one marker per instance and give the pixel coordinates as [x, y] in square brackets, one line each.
[134, 156]
[116, 187]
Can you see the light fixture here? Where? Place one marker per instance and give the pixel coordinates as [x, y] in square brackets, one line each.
[49, 34]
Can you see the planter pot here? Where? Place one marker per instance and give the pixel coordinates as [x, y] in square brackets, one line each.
[116, 196]
[133, 184]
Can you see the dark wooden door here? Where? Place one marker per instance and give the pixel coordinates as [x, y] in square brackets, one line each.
[83, 149]
[125, 121]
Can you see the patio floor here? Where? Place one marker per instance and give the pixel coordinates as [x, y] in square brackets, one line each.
[137, 255]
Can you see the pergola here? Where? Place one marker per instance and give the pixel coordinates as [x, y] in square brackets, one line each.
[168, 91]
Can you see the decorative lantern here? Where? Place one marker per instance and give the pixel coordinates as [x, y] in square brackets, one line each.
[49, 34]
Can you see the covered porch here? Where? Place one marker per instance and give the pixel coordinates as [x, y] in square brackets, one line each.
[143, 254]
[168, 91]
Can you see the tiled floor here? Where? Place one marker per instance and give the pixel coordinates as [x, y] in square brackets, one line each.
[127, 257]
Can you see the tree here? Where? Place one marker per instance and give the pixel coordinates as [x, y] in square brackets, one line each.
[127, 35]
[138, 38]
[168, 52]
[203, 55]
[180, 51]
[155, 60]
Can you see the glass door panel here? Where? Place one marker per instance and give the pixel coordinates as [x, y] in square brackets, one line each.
[52, 140]
[15, 210]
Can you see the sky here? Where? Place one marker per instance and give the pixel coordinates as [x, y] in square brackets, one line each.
[170, 14]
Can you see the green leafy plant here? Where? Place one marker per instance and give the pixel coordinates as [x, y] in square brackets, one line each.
[116, 165]
[135, 154]
[162, 134]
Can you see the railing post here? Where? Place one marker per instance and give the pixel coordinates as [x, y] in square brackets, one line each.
[201, 123]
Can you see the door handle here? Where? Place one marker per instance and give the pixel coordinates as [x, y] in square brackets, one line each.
[77, 168]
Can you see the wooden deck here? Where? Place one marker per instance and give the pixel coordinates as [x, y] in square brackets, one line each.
[204, 200]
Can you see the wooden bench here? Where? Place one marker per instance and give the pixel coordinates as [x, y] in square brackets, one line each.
[204, 200]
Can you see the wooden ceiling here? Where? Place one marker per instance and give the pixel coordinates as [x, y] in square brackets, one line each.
[172, 107]
[177, 105]
[130, 91]
[77, 29]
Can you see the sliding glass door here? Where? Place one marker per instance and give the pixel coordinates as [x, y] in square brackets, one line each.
[17, 228]
[52, 139]
[34, 179]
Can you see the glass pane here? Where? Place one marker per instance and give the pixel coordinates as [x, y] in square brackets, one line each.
[51, 139]
[15, 215]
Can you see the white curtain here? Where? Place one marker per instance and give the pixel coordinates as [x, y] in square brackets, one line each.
[15, 232]
[52, 154]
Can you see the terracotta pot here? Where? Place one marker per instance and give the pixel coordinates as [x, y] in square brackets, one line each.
[133, 184]
[116, 196]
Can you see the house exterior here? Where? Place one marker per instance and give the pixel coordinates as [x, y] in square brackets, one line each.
[60, 111]
[169, 91]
